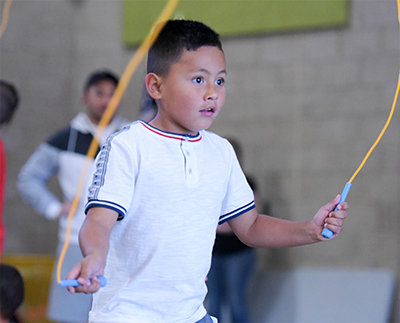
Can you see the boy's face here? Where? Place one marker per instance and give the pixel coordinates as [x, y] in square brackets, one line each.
[193, 92]
[97, 98]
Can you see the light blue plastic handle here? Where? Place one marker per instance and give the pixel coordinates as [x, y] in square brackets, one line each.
[326, 233]
[74, 282]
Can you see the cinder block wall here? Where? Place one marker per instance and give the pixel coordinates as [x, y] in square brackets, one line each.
[306, 106]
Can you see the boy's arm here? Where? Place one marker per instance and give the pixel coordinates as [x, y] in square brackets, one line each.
[94, 239]
[259, 230]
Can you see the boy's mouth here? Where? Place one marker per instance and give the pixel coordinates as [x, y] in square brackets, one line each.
[208, 111]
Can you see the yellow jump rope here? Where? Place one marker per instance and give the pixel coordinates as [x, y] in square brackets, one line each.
[326, 233]
[115, 100]
[6, 14]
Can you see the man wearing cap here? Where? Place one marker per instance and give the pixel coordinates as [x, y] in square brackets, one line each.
[64, 154]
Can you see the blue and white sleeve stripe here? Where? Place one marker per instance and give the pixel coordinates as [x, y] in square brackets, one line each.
[99, 180]
[239, 211]
[106, 204]
[101, 168]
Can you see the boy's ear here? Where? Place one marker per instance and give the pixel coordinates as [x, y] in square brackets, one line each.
[153, 83]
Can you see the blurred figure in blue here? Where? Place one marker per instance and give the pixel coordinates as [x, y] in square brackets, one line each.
[232, 266]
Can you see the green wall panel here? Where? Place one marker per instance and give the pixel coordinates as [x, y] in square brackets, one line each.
[237, 17]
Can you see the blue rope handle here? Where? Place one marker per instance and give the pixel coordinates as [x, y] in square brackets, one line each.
[74, 282]
[326, 233]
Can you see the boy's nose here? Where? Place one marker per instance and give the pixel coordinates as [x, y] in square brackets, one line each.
[211, 93]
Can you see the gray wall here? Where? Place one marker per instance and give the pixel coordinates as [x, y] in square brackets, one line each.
[307, 107]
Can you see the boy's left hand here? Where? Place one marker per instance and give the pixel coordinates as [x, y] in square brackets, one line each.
[327, 218]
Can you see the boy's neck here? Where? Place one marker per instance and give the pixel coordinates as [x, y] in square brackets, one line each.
[158, 124]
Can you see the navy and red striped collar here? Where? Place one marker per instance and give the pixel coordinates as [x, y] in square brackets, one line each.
[188, 137]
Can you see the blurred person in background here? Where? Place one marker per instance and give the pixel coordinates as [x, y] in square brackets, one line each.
[232, 265]
[12, 293]
[9, 100]
[64, 155]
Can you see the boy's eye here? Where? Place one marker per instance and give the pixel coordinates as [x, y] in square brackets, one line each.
[220, 82]
[198, 80]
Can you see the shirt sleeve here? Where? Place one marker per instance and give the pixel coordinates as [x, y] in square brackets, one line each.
[239, 197]
[114, 178]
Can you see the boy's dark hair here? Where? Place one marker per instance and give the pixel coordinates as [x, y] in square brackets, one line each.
[98, 76]
[12, 290]
[9, 100]
[174, 38]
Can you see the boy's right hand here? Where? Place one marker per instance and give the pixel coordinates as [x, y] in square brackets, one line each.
[94, 239]
[88, 268]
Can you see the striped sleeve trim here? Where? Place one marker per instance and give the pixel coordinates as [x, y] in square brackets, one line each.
[229, 216]
[101, 167]
[106, 204]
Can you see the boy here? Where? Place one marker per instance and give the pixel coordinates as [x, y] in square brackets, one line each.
[64, 155]
[161, 188]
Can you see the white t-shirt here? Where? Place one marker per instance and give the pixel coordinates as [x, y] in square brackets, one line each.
[170, 191]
